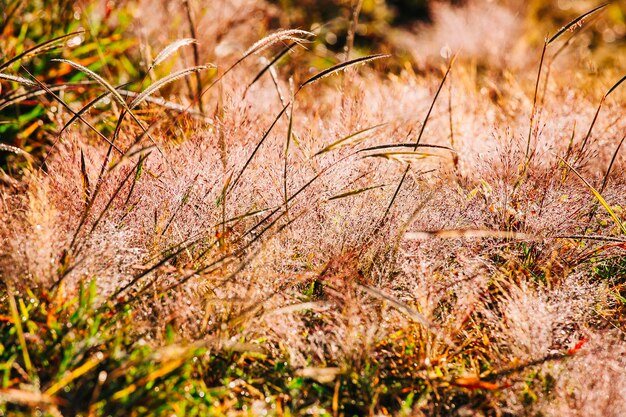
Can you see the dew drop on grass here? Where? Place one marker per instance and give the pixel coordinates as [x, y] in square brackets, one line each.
[445, 52]
[75, 41]
[102, 376]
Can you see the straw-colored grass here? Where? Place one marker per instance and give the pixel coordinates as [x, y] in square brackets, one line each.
[299, 231]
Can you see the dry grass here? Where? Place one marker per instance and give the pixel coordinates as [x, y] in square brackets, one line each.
[266, 235]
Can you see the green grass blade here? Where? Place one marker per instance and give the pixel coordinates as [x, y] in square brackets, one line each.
[598, 196]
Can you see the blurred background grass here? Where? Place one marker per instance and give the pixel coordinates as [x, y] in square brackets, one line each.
[110, 45]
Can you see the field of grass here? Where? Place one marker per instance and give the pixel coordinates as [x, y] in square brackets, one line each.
[322, 207]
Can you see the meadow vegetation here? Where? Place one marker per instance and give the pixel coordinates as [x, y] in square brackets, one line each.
[312, 208]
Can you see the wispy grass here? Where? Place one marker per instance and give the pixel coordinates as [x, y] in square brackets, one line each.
[268, 260]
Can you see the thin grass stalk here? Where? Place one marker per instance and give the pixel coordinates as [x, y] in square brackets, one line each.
[262, 44]
[258, 145]
[181, 205]
[577, 21]
[217, 263]
[69, 109]
[559, 51]
[348, 140]
[300, 190]
[85, 177]
[340, 67]
[16, 96]
[598, 197]
[406, 145]
[139, 170]
[595, 117]
[356, 11]
[40, 48]
[356, 192]
[415, 146]
[288, 141]
[118, 97]
[605, 181]
[274, 78]
[455, 155]
[270, 65]
[196, 52]
[73, 248]
[533, 111]
[117, 191]
[75, 117]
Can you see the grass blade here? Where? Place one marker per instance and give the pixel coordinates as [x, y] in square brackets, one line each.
[118, 97]
[417, 143]
[17, 322]
[533, 111]
[165, 80]
[134, 170]
[348, 139]
[288, 142]
[85, 177]
[292, 35]
[97, 78]
[272, 62]
[342, 66]
[406, 145]
[37, 49]
[256, 148]
[18, 151]
[16, 79]
[578, 22]
[468, 234]
[403, 156]
[598, 196]
[608, 170]
[595, 117]
[617, 84]
[355, 192]
[171, 49]
[69, 109]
